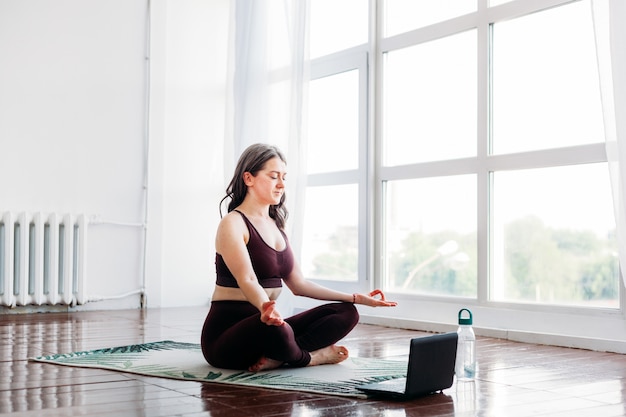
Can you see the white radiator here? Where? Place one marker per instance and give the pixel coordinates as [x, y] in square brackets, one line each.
[42, 258]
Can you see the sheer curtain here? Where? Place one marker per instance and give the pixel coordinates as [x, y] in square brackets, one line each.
[268, 76]
[268, 79]
[609, 17]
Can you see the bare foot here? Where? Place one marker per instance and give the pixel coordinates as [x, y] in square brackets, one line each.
[265, 364]
[329, 355]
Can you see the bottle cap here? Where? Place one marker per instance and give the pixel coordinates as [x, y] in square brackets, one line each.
[465, 320]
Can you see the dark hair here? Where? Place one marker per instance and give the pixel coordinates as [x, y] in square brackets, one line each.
[253, 160]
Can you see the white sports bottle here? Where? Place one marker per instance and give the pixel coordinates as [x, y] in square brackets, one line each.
[465, 367]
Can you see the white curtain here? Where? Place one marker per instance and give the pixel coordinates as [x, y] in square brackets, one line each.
[268, 78]
[609, 17]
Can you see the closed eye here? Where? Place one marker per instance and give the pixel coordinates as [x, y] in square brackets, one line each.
[276, 176]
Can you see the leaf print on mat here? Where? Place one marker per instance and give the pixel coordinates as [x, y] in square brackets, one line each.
[184, 361]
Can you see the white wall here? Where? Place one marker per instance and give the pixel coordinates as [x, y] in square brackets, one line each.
[71, 122]
[72, 134]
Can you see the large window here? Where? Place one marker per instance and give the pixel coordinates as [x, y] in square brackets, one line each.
[334, 245]
[465, 163]
[553, 225]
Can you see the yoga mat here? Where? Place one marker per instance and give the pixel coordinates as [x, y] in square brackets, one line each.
[184, 361]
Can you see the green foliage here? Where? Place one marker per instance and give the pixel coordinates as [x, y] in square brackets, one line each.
[558, 265]
[434, 273]
[540, 264]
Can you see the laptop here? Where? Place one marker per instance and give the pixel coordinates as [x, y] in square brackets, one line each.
[430, 369]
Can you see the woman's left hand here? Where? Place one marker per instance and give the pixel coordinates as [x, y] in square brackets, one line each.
[371, 300]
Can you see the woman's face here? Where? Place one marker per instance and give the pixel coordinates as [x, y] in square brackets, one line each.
[268, 186]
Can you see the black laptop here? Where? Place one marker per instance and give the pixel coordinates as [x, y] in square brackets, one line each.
[430, 369]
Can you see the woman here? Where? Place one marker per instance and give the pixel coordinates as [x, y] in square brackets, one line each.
[243, 329]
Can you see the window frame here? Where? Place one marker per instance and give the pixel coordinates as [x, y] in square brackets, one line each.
[354, 59]
[557, 324]
[485, 163]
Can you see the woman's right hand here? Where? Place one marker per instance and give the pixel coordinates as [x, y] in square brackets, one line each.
[269, 314]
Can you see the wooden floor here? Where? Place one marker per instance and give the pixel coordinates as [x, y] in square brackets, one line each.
[515, 379]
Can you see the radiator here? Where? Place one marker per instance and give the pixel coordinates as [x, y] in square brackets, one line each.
[42, 258]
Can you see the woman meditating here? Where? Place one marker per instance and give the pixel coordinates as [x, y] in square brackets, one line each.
[243, 329]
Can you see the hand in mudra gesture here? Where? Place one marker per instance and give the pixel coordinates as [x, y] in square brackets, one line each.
[270, 315]
[372, 300]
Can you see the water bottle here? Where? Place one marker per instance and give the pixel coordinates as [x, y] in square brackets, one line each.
[465, 367]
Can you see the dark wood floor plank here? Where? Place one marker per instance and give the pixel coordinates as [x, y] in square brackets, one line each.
[515, 379]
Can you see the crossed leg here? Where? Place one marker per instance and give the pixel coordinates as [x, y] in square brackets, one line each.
[316, 331]
[306, 339]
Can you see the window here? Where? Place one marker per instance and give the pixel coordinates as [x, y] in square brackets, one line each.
[429, 106]
[545, 82]
[554, 237]
[331, 223]
[553, 225]
[333, 143]
[473, 168]
[331, 230]
[334, 245]
[430, 228]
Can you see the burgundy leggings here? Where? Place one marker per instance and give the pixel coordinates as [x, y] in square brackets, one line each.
[234, 337]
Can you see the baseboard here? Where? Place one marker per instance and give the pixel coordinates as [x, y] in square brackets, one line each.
[601, 345]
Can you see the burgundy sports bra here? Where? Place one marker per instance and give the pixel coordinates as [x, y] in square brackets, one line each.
[270, 265]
